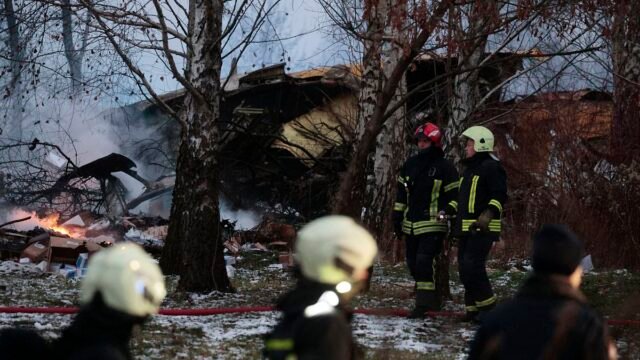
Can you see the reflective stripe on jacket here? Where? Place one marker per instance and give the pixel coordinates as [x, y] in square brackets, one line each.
[426, 184]
[483, 186]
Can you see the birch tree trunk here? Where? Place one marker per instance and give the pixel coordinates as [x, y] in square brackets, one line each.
[350, 197]
[465, 89]
[625, 129]
[463, 102]
[194, 223]
[14, 124]
[390, 143]
[370, 86]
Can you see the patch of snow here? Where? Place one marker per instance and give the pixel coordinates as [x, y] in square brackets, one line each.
[397, 333]
[41, 327]
[13, 267]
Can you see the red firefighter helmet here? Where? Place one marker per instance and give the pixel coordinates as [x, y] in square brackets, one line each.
[430, 132]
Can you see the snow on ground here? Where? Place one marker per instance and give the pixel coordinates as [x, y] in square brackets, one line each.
[259, 281]
[398, 333]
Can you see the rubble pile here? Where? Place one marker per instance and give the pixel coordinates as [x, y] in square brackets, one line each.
[270, 234]
[63, 246]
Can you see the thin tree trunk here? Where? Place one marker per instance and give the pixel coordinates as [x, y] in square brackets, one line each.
[17, 64]
[466, 90]
[194, 246]
[74, 58]
[625, 130]
[463, 103]
[370, 86]
[390, 143]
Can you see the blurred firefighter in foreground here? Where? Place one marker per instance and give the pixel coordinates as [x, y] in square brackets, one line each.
[333, 254]
[482, 195]
[426, 185]
[122, 288]
[549, 317]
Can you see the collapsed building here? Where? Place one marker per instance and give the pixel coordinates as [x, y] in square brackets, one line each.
[285, 136]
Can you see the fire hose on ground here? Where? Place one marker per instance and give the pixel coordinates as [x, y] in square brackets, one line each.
[254, 309]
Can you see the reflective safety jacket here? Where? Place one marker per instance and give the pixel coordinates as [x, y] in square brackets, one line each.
[483, 186]
[427, 183]
[312, 326]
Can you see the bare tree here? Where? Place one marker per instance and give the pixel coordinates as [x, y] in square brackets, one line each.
[199, 37]
[390, 144]
[458, 33]
[625, 39]
[16, 57]
[469, 25]
[73, 54]
[350, 197]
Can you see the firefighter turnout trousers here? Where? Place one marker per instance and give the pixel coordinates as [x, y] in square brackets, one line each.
[422, 251]
[473, 250]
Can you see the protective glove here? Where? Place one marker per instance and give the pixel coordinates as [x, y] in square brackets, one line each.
[482, 224]
[442, 216]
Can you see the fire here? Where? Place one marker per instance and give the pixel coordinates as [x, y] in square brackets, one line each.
[51, 222]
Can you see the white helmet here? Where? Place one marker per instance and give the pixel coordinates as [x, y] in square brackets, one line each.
[482, 138]
[332, 249]
[128, 279]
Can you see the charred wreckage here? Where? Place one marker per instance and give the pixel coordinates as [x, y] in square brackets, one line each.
[285, 138]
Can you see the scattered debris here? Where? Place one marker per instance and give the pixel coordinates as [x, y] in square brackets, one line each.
[286, 260]
[587, 263]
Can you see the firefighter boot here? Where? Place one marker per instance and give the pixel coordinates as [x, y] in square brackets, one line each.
[471, 317]
[426, 300]
[483, 311]
[471, 314]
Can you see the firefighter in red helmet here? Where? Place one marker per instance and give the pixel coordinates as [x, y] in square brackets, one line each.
[426, 185]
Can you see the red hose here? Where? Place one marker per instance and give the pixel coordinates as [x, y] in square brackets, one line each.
[213, 311]
[239, 310]
[39, 310]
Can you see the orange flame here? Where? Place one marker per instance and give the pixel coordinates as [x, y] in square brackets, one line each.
[51, 222]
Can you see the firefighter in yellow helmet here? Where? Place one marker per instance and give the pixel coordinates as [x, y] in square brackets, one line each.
[481, 198]
[333, 254]
[122, 288]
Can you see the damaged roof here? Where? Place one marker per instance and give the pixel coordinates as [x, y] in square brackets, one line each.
[285, 133]
[587, 113]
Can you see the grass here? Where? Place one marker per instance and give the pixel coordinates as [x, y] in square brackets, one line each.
[258, 283]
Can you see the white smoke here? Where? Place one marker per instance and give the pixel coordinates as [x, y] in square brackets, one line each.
[10, 214]
[245, 219]
[84, 131]
[76, 126]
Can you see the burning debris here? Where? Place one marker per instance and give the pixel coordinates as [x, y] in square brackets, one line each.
[58, 244]
[58, 240]
[63, 245]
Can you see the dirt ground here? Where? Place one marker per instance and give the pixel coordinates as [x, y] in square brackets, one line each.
[259, 280]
